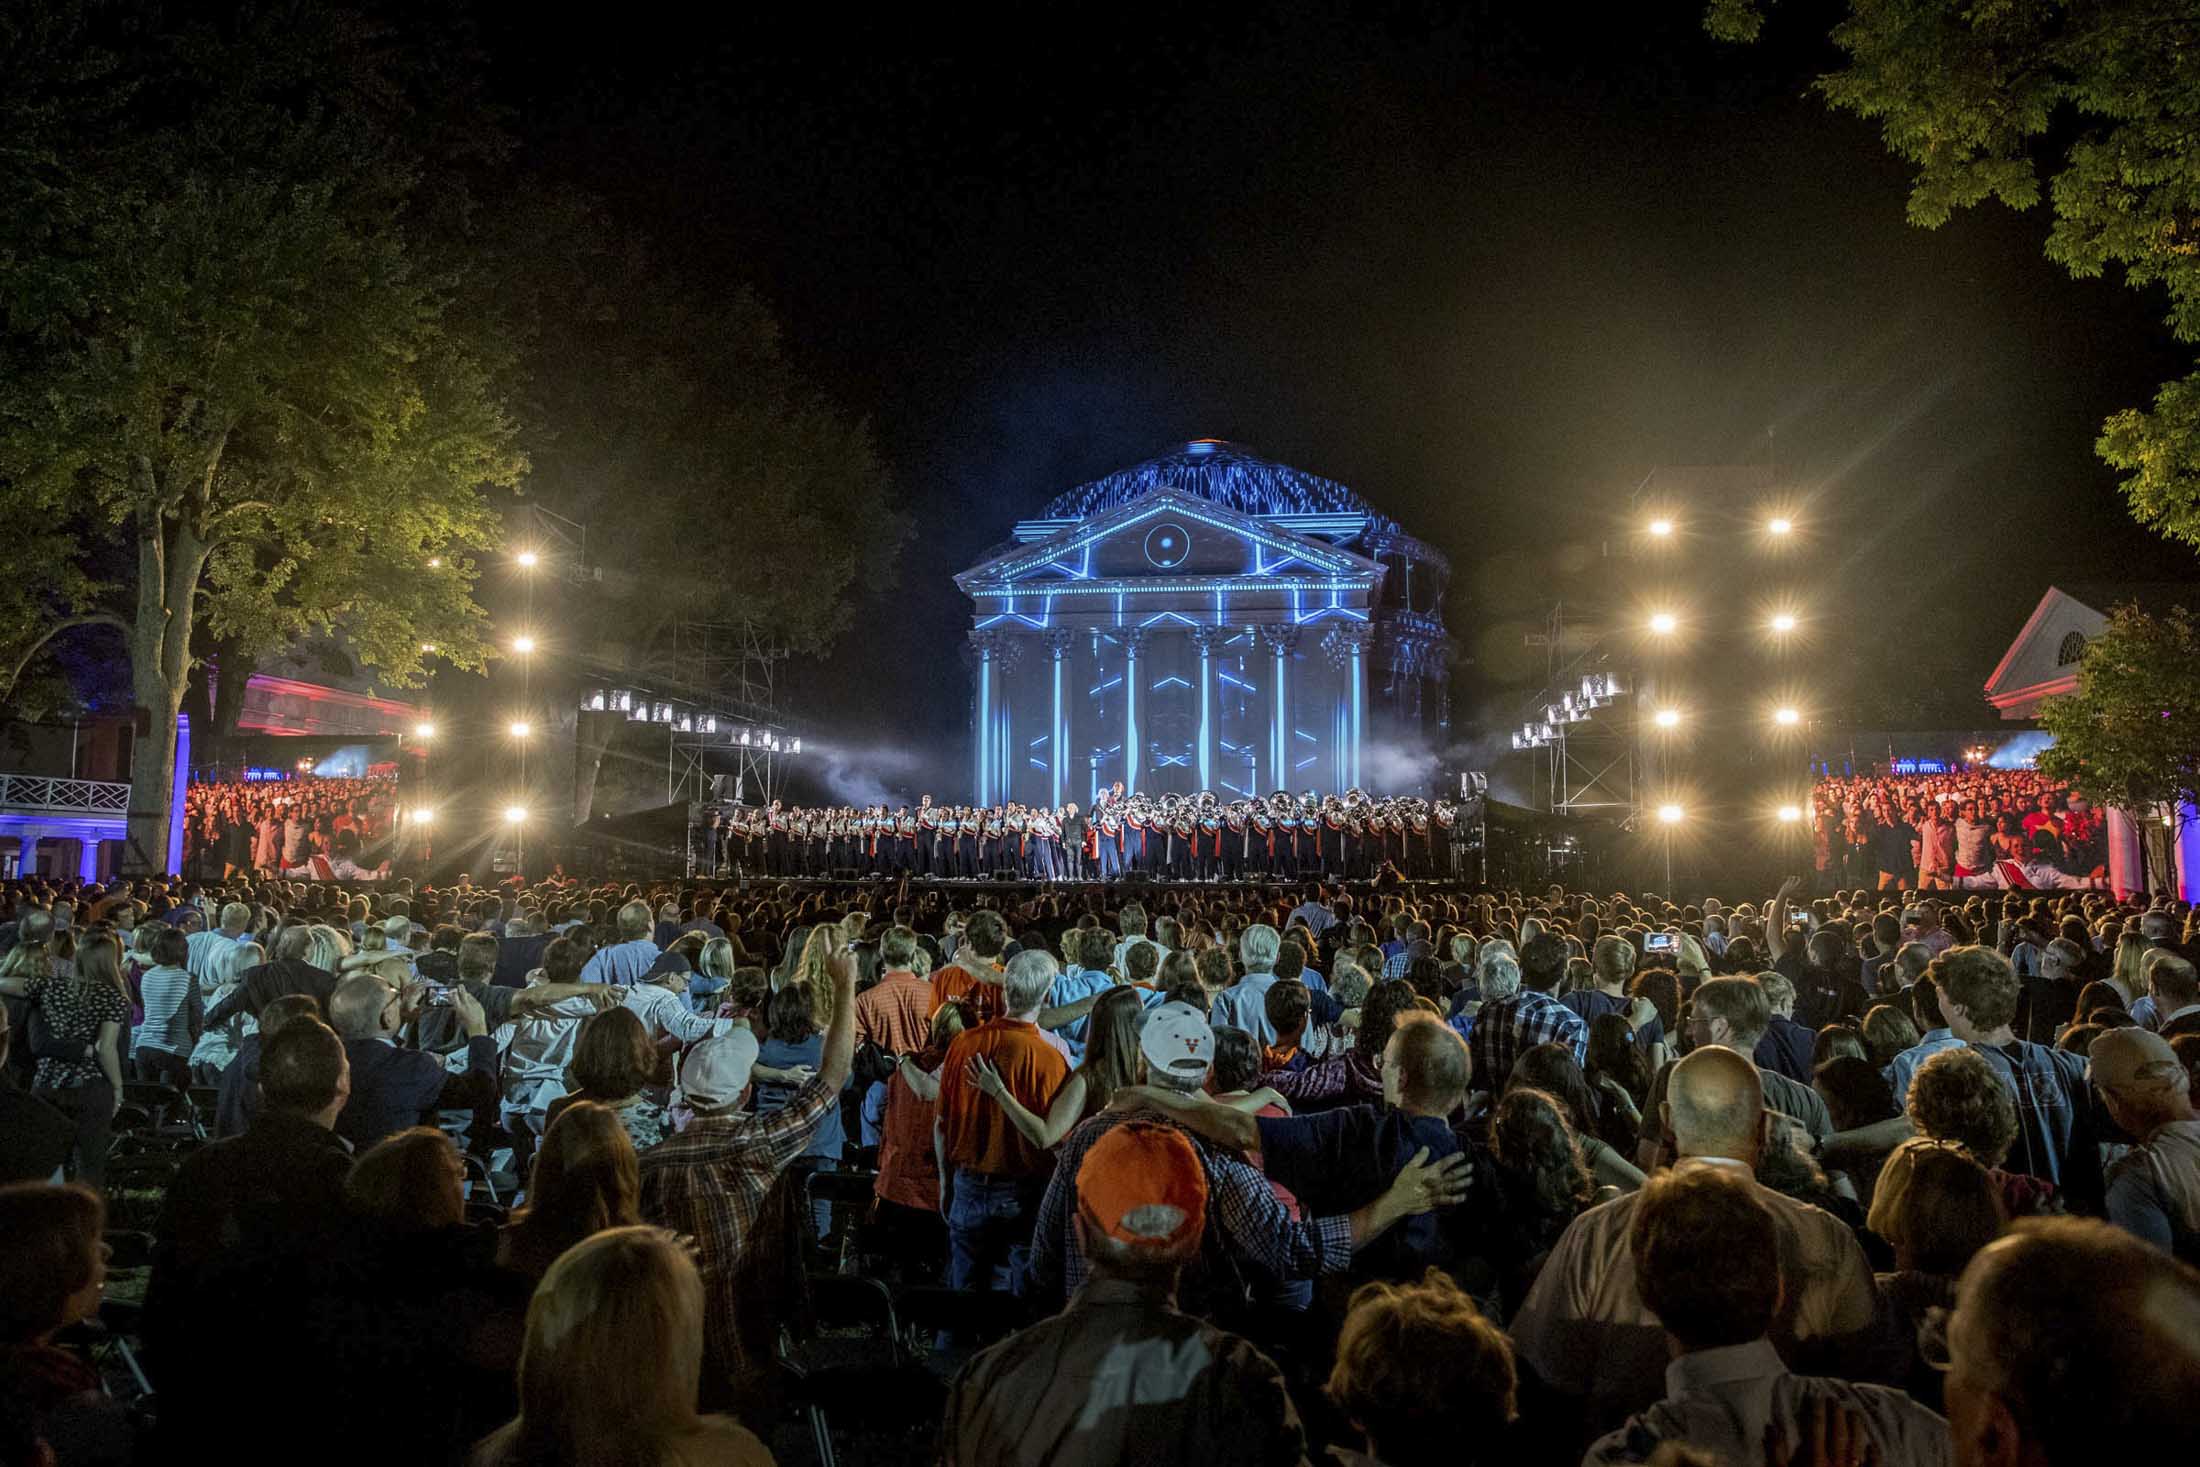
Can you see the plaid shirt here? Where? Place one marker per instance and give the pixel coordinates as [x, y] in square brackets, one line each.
[1244, 1217]
[1504, 1027]
[709, 1183]
[1396, 964]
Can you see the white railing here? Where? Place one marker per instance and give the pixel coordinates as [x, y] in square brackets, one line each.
[37, 794]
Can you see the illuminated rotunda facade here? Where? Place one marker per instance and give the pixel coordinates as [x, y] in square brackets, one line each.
[1205, 620]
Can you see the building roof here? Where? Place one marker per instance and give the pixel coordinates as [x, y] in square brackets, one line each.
[1225, 474]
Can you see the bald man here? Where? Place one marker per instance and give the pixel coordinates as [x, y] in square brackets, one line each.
[2154, 1190]
[2073, 1343]
[1584, 1327]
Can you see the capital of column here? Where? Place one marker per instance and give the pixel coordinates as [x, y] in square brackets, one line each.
[987, 643]
[1281, 639]
[1134, 640]
[1206, 637]
[1059, 643]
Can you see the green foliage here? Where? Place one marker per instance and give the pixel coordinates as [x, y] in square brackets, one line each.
[227, 327]
[1977, 95]
[2131, 733]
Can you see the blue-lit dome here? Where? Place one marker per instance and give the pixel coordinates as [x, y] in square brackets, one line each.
[1225, 474]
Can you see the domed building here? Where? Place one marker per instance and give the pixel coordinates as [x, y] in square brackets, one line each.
[1208, 619]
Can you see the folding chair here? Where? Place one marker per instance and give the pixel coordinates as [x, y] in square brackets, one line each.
[137, 1186]
[848, 1196]
[867, 1370]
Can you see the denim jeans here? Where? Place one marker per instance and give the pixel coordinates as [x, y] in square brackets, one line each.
[988, 1230]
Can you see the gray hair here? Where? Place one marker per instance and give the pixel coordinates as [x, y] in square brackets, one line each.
[326, 948]
[1258, 946]
[1500, 976]
[1027, 981]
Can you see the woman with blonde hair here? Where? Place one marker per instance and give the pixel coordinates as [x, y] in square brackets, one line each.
[586, 1179]
[326, 947]
[612, 1365]
[809, 973]
[217, 1044]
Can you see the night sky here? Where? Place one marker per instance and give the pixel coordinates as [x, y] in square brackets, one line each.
[1485, 264]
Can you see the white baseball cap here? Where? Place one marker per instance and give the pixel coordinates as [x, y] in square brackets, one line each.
[718, 1069]
[1176, 1038]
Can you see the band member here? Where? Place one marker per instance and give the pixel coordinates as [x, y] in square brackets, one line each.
[1074, 841]
[1134, 835]
[928, 837]
[1107, 842]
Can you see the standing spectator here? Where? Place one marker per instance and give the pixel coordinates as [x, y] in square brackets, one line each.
[1733, 1013]
[1244, 1004]
[894, 1015]
[1705, 1253]
[2055, 1137]
[169, 992]
[242, 1233]
[614, 1061]
[84, 1013]
[1424, 1379]
[2153, 1189]
[1182, 1390]
[613, 1363]
[1937, 1036]
[2072, 1343]
[709, 1181]
[634, 954]
[991, 1172]
[394, 1089]
[1508, 1023]
[1786, 1046]
[1585, 1327]
[793, 1043]
[1612, 962]
[586, 1179]
[1935, 1206]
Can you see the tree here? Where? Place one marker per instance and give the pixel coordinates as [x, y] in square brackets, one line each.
[1972, 93]
[231, 345]
[2130, 735]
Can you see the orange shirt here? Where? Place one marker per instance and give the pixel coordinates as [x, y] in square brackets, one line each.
[895, 1013]
[979, 1135]
[958, 982]
[907, 1174]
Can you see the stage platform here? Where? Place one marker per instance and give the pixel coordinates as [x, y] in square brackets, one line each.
[955, 884]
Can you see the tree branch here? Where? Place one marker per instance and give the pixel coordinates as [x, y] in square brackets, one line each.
[67, 623]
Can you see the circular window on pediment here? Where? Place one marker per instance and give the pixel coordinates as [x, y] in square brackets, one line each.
[1167, 545]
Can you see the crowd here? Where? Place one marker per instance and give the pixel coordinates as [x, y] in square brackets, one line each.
[1978, 828]
[317, 829]
[1195, 1174]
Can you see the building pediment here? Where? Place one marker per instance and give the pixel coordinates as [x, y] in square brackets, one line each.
[2043, 660]
[1172, 538]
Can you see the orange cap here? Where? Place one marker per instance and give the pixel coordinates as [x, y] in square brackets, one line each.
[1142, 1184]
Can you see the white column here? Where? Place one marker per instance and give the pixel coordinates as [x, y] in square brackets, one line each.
[1134, 643]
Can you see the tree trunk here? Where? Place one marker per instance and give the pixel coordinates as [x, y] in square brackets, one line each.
[171, 559]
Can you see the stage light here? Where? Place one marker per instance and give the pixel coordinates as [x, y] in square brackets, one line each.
[515, 814]
[523, 644]
[1664, 623]
[1783, 622]
[1661, 528]
[662, 713]
[795, 747]
[1789, 814]
[1786, 717]
[427, 646]
[527, 559]
[744, 738]
[683, 724]
[519, 728]
[423, 730]
[707, 724]
[1667, 718]
[1779, 525]
[423, 817]
[1670, 814]
[622, 700]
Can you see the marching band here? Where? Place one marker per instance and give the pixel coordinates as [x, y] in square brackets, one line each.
[1198, 837]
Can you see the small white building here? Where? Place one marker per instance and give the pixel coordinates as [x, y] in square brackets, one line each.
[2043, 663]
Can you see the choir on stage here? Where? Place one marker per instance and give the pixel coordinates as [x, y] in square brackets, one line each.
[1198, 837]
